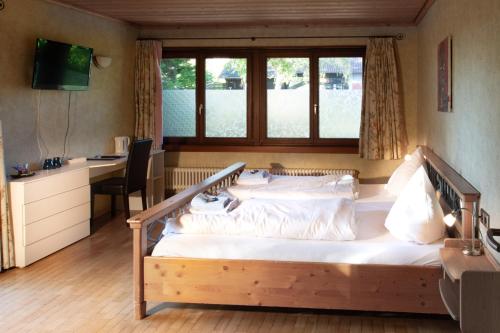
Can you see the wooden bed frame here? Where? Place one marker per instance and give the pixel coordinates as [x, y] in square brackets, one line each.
[391, 288]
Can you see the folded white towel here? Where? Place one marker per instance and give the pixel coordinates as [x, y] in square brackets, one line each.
[254, 177]
[204, 203]
[346, 182]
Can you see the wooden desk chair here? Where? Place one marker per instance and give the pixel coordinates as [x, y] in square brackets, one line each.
[134, 180]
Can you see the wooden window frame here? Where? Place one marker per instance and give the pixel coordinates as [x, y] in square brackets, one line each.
[256, 140]
[200, 57]
[340, 52]
[283, 53]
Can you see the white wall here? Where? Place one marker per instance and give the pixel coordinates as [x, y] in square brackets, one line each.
[468, 138]
[97, 115]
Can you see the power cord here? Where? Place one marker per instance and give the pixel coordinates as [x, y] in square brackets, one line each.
[67, 126]
[39, 137]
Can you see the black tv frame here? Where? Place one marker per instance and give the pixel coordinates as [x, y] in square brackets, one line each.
[36, 85]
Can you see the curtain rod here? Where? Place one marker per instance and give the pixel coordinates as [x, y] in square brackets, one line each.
[398, 36]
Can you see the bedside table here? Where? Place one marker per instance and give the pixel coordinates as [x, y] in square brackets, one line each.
[470, 288]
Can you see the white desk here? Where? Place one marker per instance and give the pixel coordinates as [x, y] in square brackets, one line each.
[51, 210]
[99, 168]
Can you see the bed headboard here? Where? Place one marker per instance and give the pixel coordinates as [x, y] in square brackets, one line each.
[455, 191]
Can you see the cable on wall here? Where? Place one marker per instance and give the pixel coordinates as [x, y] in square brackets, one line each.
[67, 126]
[39, 138]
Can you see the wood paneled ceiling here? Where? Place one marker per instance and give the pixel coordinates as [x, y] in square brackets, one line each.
[258, 12]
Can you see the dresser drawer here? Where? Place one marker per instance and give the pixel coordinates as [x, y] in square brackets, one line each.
[44, 208]
[56, 223]
[55, 184]
[51, 244]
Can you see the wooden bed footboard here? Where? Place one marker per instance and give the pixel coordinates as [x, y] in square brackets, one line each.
[391, 288]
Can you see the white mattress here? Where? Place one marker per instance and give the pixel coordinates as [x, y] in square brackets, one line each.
[374, 244]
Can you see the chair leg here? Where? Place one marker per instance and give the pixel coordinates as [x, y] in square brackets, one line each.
[126, 205]
[144, 202]
[113, 205]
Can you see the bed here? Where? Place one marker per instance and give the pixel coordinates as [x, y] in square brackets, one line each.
[375, 272]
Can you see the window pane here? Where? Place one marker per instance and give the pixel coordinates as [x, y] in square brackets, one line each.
[288, 93]
[340, 93]
[179, 97]
[226, 98]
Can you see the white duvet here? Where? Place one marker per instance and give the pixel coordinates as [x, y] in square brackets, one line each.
[323, 219]
[299, 187]
[374, 244]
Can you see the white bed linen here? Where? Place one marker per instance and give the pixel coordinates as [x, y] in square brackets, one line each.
[319, 219]
[298, 187]
[374, 244]
[417, 216]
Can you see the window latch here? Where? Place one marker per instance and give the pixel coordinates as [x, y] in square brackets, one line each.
[315, 108]
[200, 109]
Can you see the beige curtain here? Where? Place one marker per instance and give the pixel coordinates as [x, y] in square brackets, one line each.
[6, 232]
[148, 91]
[383, 129]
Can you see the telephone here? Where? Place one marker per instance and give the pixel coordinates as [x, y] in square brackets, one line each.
[491, 238]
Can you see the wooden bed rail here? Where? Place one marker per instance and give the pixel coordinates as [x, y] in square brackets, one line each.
[140, 222]
[175, 202]
[456, 191]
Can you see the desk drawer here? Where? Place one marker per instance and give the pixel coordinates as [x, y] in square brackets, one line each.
[55, 184]
[44, 208]
[56, 223]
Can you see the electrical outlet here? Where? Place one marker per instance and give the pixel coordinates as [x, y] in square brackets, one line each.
[485, 218]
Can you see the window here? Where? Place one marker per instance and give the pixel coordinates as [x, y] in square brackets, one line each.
[288, 98]
[179, 97]
[340, 93]
[218, 98]
[205, 97]
[226, 98]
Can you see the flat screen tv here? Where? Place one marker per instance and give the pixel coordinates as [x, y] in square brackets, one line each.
[61, 66]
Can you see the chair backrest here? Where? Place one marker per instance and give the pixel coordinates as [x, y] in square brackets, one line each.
[137, 165]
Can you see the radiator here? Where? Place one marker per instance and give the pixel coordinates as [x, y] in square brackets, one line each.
[178, 179]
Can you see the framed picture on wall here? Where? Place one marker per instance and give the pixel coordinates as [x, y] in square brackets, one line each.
[444, 76]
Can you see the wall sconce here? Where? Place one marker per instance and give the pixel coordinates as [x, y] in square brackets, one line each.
[450, 220]
[102, 62]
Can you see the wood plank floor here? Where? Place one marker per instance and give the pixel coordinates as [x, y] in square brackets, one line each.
[86, 287]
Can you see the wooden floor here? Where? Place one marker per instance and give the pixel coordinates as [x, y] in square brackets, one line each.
[87, 288]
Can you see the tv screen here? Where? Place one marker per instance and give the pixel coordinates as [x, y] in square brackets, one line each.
[61, 66]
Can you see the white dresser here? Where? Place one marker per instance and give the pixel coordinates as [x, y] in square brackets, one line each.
[50, 211]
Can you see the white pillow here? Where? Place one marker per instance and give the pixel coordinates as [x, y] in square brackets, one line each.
[403, 173]
[416, 215]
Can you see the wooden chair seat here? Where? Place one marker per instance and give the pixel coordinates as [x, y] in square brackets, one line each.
[115, 185]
